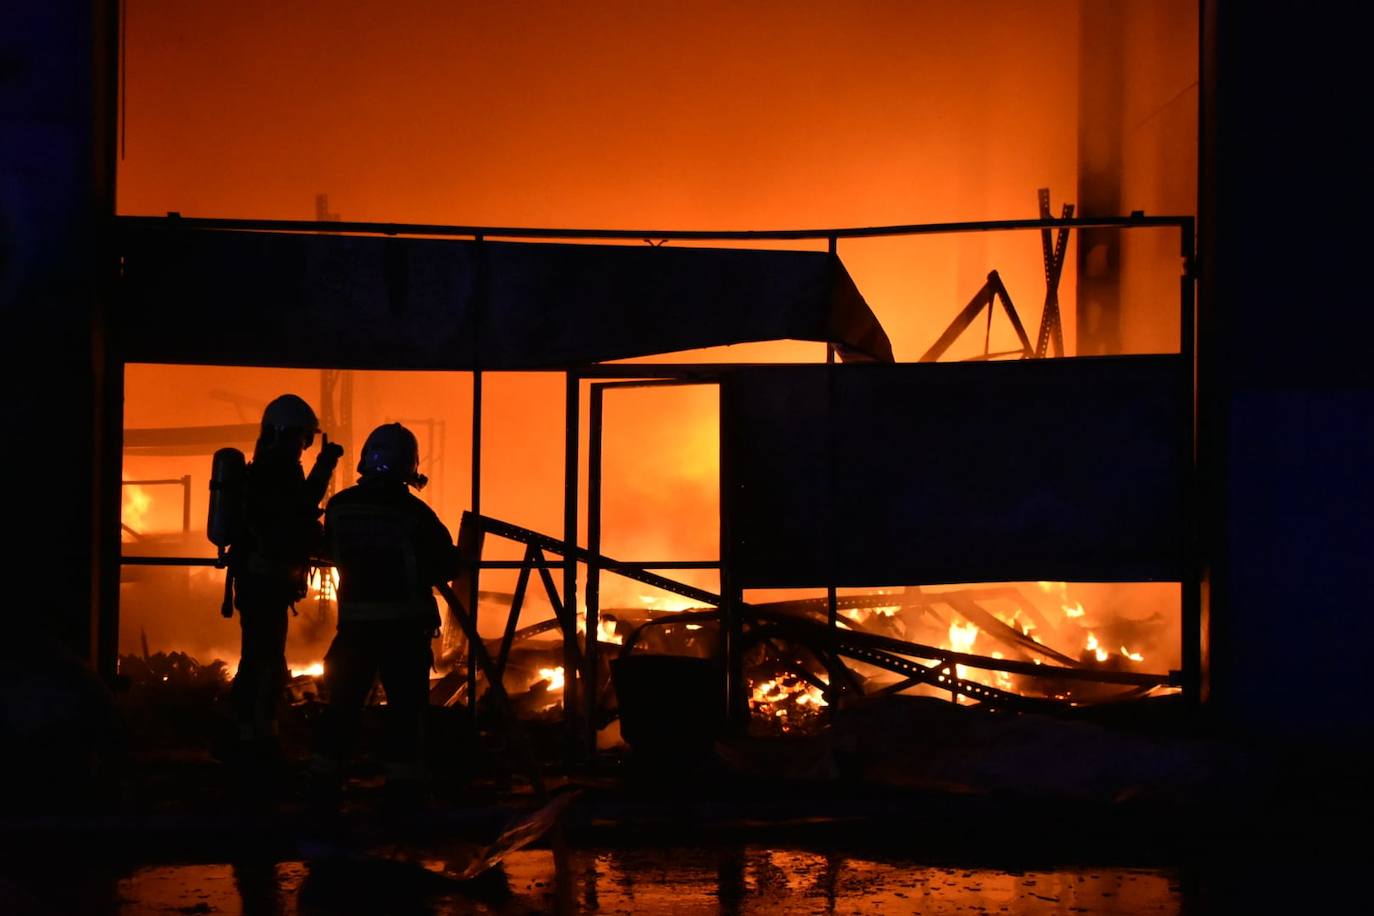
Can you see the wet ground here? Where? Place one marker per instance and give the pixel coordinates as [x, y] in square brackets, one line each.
[1278, 829]
[724, 879]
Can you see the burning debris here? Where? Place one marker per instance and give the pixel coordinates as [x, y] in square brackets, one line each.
[1039, 648]
[174, 671]
[786, 704]
[1042, 647]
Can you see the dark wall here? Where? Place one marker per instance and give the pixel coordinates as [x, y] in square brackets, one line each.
[56, 187]
[1286, 386]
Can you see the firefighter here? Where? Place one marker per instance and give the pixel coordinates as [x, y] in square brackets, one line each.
[270, 563]
[391, 550]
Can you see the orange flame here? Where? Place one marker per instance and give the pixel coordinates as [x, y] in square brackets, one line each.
[787, 701]
[134, 506]
[554, 676]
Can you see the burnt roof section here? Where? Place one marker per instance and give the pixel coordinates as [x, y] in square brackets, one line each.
[318, 300]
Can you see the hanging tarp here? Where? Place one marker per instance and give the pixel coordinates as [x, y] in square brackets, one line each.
[226, 297]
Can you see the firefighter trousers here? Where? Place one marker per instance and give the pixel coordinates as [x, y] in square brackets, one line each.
[399, 652]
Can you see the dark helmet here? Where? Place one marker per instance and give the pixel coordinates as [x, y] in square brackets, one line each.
[290, 412]
[391, 449]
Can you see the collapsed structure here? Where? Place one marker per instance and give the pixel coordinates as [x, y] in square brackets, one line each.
[862, 474]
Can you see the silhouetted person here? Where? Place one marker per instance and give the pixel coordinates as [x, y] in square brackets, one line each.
[391, 550]
[271, 563]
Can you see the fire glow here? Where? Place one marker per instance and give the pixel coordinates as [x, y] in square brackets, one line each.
[786, 702]
[134, 509]
[314, 669]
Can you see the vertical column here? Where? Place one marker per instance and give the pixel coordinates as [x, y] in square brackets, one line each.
[832, 605]
[1191, 610]
[572, 394]
[736, 696]
[475, 591]
[592, 653]
[1100, 92]
[57, 170]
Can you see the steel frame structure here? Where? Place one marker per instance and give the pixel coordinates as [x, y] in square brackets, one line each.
[608, 376]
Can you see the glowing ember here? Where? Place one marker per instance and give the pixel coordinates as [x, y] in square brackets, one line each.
[787, 700]
[1092, 646]
[1133, 656]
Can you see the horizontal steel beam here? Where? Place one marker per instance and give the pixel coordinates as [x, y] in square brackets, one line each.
[175, 220]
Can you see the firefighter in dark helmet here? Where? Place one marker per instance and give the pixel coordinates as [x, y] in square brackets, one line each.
[271, 561]
[391, 550]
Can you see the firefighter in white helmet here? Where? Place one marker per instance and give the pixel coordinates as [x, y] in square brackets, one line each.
[391, 550]
[270, 561]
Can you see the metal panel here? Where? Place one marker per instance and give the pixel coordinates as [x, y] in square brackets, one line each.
[296, 299]
[1066, 469]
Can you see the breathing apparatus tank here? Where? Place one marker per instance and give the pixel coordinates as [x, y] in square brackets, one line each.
[227, 474]
[224, 524]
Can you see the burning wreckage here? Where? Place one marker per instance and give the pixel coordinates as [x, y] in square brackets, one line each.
[834, 478]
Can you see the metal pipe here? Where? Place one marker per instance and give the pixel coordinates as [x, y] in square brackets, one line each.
[127, 560]
[175, 220]
[571, 410]
[475, 496]
[594, 430]
[732, 628]
[610, 566]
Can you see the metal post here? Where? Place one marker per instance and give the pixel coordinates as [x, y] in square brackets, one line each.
[1191, 609]
[832, 615]
[103, 634]
[731, 627]
[474, 593]
[834, 247]
[592, 653]
[570, 474]
[186, 504]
